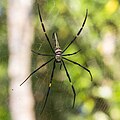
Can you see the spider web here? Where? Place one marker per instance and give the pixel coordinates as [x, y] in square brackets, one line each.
[59, 103]
[61, 95]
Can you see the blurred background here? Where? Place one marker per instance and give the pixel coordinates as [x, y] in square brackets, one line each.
[100, 53]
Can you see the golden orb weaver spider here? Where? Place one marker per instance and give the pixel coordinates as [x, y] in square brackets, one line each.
[58, 57]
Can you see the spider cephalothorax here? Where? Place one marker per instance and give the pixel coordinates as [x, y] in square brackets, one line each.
[58, 51]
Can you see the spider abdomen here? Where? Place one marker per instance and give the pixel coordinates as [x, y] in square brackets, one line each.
[58, 54]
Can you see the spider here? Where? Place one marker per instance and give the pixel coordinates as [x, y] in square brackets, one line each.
[58, 57]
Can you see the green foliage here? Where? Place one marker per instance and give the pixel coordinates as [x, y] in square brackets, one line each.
[4, 112]
[97, 53]
[65, 18]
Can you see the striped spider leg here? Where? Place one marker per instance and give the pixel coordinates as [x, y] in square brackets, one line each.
[58, 57]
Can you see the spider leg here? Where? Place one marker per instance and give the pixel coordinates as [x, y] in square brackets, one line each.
[36, 71]
[43, 27]
[78, 31]
[70, 82]
[49, 87]
[72, 53]
[41, 53]
[80, 66]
